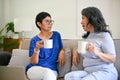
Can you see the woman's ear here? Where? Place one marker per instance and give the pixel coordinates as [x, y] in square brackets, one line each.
[38, 23]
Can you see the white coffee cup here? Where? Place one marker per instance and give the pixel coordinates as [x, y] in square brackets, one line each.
[48, 43]
[82, 46]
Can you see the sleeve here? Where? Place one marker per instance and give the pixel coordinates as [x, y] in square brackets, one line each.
[108, 46]
[60, 41]
[32, 46]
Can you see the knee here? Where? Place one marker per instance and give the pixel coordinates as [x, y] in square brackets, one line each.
[31, 74]
[67, 76]
[50, 74]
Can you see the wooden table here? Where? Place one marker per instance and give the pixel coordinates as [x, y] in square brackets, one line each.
[10, 44]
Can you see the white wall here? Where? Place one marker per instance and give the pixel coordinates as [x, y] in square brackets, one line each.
[115, 18]
[107, 7]
[64, 13]
[1, 14]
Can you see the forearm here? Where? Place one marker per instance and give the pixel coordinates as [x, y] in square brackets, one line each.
[106, 57]
[76, 57]
[61, 57]
[61, 54]
[35, 57]
[103, 56]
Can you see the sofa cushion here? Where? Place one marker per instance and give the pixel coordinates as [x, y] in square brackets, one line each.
[67, 67]
[19, 58]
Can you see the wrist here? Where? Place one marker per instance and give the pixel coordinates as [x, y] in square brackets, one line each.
[97, 53]
[36, 50]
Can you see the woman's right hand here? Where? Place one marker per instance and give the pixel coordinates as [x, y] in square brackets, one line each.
[34, 58]
[39, 44]
[76, 58]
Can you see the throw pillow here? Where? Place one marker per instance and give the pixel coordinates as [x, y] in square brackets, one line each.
[19, 58]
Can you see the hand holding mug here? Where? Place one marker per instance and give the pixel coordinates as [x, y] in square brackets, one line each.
[39, 44]
[90, 47]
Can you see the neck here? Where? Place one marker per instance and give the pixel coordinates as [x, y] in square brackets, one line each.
[91, 28]
[45, 35]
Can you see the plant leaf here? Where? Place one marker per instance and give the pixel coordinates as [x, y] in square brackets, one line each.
[10, 26]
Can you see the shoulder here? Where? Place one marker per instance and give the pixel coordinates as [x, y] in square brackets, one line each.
[103, 35]
[35, 38]
[56, 33]
[106, 37]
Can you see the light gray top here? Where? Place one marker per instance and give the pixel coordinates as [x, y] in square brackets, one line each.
[104, 43]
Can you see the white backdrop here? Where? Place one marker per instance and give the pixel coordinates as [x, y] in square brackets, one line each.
[66, 14]
[106, 7]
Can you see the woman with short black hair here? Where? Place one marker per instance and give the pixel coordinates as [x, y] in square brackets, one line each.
[43, 65]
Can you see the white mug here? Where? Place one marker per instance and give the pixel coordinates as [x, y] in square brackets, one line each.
[82, 46]
[48, 43]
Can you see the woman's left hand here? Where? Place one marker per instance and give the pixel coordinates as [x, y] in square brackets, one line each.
[61, 58]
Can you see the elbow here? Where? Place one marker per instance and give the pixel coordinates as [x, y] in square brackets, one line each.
[34, 62]
[113, 60]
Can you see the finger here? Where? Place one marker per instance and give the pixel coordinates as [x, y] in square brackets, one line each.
[59, 60]
[60, 63]
[41, 42]
[74, 61]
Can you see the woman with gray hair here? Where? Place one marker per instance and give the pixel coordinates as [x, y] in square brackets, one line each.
[99, 59]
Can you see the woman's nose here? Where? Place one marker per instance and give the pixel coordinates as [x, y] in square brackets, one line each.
[81, 22]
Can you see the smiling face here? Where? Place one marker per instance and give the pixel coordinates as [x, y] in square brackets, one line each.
[86, 25]
[46, 24]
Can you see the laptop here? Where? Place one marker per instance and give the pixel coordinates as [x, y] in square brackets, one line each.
[12, 73]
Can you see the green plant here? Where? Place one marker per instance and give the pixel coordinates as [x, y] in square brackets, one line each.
[8, 27]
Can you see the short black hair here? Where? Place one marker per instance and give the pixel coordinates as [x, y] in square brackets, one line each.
[40, 16]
